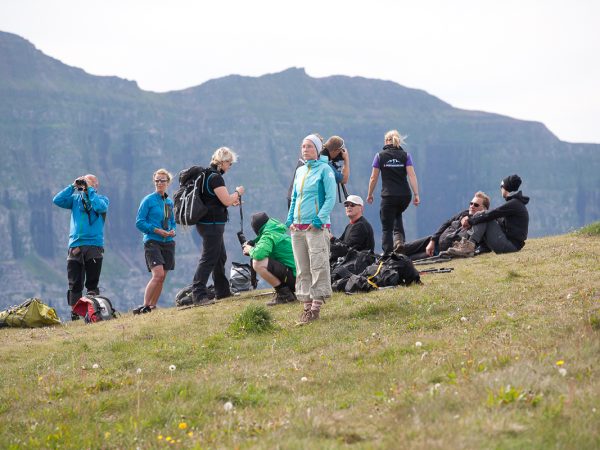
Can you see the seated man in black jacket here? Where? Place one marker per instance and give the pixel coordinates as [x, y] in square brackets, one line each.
[358, 234]
[448, 233]
[503, 229]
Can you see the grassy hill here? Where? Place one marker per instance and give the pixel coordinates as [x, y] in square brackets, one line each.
[501, 353]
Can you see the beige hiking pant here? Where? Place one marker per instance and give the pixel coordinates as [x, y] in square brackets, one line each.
[311, 254]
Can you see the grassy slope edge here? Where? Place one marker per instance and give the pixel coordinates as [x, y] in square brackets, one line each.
[508, 359]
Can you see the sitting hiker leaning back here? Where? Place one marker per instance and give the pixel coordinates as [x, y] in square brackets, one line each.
[503, 229]
[448, 233]
[358, 234]
[272, 257]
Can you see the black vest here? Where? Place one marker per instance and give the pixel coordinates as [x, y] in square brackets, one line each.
[392, 164]
[217, 211]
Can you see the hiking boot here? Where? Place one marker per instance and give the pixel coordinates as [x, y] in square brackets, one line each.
[304, 317]
[282, 295]
[75, 316]
[462, 249]
[314, 315]
[205, 301]
[399, 247]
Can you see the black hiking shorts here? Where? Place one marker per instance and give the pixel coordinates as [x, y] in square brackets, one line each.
[159, 254]
[283, 273]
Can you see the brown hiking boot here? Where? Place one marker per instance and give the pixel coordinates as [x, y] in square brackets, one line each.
[282, 295]
[462, 249]
[304, 317]
[314, 315]
[398, 244]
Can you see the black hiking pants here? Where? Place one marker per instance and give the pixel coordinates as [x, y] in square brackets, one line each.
[392, 227]
[212, 261]
[84, 265]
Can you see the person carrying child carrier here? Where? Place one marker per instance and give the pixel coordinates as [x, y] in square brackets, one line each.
[86, 236]
[273, 257]
[212, 227]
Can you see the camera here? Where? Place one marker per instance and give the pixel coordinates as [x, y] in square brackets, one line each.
[80, 184]
[243, 241]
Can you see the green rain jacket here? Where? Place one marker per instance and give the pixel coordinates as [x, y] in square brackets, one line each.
[273, 242]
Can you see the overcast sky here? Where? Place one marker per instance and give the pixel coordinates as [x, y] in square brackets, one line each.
[534, 60]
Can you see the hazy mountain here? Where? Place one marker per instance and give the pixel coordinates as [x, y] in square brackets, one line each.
[58, 122]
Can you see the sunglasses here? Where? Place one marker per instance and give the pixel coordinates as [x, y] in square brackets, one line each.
[476, 205]
[162, 180]
[350, 205]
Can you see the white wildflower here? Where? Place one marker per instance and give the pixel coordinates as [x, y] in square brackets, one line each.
[228, 406]
[95, 366]
[303, 379]
[562, 371]
[172, 367]
[418, 344]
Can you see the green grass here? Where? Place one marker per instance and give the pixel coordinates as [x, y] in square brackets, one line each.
[501, 353]
[592, 229]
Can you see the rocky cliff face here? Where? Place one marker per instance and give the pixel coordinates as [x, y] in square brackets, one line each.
[57, 122]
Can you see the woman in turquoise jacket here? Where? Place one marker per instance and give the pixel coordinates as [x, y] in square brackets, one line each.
[313, 198]
[156, 220]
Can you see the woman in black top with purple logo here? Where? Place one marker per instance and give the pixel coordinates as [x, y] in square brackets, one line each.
[398, 177]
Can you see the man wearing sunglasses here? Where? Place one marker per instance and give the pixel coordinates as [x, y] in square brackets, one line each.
[450, 232]
[502, 229]
[358, 234]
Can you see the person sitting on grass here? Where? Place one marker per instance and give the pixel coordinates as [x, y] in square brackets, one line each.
[450, 232]
[503, 229]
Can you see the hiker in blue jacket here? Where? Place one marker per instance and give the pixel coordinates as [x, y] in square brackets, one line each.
[86, 236]
[155, 218]
[313, 198]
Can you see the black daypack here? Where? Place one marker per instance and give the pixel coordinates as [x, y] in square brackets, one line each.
[392, 270]
[189, 208]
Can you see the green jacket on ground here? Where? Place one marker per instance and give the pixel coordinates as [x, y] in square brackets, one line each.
[273, 242]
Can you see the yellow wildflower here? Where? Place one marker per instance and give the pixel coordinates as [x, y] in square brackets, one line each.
[160, 436]
[191, 433]
[560, 362]
[182, 426]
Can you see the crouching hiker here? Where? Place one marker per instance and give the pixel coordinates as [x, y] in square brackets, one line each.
[86, 237]
[155, 219]
[502, 229]
[272, 257]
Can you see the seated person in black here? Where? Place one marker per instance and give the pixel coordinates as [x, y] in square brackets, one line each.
[448, 233]
[358, 234]
[502, 229]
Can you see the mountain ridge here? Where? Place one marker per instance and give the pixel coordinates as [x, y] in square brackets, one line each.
[58, 122]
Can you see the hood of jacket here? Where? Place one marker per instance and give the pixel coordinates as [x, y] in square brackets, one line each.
[518, 196]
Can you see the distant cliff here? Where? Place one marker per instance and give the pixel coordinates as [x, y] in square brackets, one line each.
[58, 122]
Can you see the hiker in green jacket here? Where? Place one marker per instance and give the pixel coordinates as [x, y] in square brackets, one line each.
[272, 257]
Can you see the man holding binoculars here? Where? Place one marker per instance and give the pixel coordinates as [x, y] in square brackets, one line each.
[86, 236]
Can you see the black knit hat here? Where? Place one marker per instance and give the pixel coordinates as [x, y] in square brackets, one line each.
[258, 220]
[511, 183]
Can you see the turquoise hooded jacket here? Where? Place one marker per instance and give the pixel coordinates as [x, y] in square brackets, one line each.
[313, 194]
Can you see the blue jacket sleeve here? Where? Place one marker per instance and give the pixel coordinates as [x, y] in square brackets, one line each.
[99, 202]
[329, 185]
[141, 221]
[64, 198]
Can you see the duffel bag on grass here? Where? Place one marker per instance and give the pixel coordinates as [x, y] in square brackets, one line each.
[32, 313]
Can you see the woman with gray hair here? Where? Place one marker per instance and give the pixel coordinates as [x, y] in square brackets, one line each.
[212, 227]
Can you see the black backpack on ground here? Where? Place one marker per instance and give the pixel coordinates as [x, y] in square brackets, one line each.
[189, 208]
[184, 296]
[353, 263]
